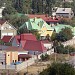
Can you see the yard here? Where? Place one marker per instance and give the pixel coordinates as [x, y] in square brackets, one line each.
[38, 67]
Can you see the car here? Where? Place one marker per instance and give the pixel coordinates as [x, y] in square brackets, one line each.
[72, 53]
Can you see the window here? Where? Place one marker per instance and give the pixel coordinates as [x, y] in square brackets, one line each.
[2, 63]
[15, 60]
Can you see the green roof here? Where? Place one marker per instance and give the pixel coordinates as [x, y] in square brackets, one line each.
[59, 27]
[36, 23]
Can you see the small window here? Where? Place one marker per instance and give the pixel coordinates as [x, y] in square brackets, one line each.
[2, 63]
[15, 60]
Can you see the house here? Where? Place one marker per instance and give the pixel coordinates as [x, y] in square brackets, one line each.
[18, 38]
[40, 25]
[6, 29]
[64, 12]
[1, 9]
[50, 20]
[9, 54]
[33, 47]
[29, 43]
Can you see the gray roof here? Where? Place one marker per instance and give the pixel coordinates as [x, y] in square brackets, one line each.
[64, 10]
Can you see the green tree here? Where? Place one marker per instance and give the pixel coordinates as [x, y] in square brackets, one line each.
[65, 34]
[22, 6]
[59, 69]
[35, 32]
[8, 11]
[48, 37]
[53, 37]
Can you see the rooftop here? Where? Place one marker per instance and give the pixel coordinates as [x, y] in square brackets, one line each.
[6, 39]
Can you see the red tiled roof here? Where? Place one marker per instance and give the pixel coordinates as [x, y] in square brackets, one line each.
[30, 45]
[24, 56]
[45, 18]
[2, 21]
[38, 16]
[28, 36]
[6, 39]
[12, 48]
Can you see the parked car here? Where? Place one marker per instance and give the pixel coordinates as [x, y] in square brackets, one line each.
[72, 54]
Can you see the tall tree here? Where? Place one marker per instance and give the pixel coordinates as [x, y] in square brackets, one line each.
[22, 6]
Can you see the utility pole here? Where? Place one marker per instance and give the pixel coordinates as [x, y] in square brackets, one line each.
[68, 53]
[55, 52]
[55, 55]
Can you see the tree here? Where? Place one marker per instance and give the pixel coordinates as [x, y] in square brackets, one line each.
[35, 32]
[59, 69]
[53, 37]
[48, 37]
[65, 34]
[8, 11]
[22, 6]
[44, 57]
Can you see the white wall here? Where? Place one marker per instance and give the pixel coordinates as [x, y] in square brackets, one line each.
[48, 45]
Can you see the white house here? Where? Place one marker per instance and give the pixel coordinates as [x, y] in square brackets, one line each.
[1, 9]
[64, 12]
[6, 29]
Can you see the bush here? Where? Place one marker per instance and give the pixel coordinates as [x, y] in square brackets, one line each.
[59, 69]
[44, 57]
[64, 50]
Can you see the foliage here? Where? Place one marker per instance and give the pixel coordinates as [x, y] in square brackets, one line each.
[65, 21]
[61, 49]
[64, 50]
[42, 6]
[22, 6]
[8, 11]
[59, 69]
[53, 37]
[1, 42]
[66, 5]
[35, 32]
[68, 21]
[16, 20]
[65, 34]
[48, 37]
[44, 57]
[70, 48]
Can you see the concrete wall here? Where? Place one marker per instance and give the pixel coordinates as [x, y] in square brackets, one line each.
[48, 45]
